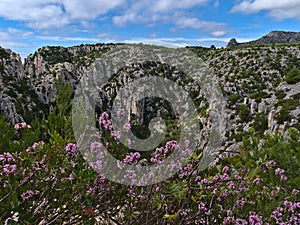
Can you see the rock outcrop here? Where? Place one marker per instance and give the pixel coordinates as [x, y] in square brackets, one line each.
[252, 78]
[274, 37]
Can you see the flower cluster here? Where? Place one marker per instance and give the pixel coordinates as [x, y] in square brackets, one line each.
[23, 125]
[71, 148]
[161, 153]
[36, 145]
[132, 158]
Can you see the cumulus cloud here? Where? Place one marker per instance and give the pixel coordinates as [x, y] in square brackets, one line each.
[52, 14]
[215, 29]
[55, 13]
[167, 5]
[12, 37]
[282, 9]
[169, 12]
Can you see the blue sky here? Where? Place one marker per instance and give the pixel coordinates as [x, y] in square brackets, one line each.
[29, 24]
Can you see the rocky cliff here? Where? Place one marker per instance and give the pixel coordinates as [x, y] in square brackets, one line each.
[253, 80]
[273, 37]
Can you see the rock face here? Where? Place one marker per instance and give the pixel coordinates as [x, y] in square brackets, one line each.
[249, 76]
[232, 43]
[11, 72]
[274, 37]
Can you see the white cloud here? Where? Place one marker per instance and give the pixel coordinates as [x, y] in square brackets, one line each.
[277, 9]
[169, 5]
[173, 12]
[219, 33]
[48, 15]
[13, 36]
[55, 13]
[215, 29]
[66, 39]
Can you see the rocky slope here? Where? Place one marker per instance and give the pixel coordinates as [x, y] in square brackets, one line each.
[273, 37]
[253, 80]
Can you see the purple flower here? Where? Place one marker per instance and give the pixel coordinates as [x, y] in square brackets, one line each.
[240, 203]
[270, 164]
[256, 181]
[132, 158]
[225, 169]
[9, 169]
[71, 148]
[96, 146]
[283, 178]
[241, 222]
[295, 192]
[105, 122]
[254, 219]
[228, 220]
[279, 171]
[127, 126]
[6, 157]
[29, 194]
[17, 126]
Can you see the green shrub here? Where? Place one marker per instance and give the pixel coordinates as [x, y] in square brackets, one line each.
[260, 123]
[293, 76]
[244, 113]
[7, 134]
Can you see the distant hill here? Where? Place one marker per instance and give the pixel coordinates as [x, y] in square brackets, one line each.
[273, 37]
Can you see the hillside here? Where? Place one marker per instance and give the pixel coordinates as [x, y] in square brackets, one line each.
[274, 37]
[251, 77]
[46, 179]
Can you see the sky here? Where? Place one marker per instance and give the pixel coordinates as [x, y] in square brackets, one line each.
[26, 25]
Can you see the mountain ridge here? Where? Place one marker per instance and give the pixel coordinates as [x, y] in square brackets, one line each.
[273, 37]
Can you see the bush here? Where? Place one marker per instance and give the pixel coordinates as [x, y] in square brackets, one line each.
[244, 113]
[55, 185]
[293, 76]
[260, 123]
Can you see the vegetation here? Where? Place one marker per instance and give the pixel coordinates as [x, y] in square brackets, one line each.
[45, 179]
[244, 113]
[52, 183]
[293, 76]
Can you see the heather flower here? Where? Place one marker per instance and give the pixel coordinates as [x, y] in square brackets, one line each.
[37, 144]
[115, 134]
[240, 203]
[254, 219]
[295, 192]
[96, 146]
[15, 217]
[228, 220]
[184, 212]
[71, 148]
[279, 171]
[256, 181]
[127, 126]
[231, 185]
[6, 157]
[132, 158]
[270, 164]
[17, 126]
[186, 171]
[9, 169]
[105, 122]
[29, 194]
[23, 125]
[225, 169]
[283, 178]
[240, 222]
